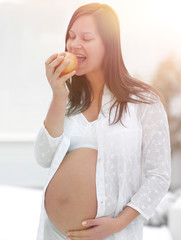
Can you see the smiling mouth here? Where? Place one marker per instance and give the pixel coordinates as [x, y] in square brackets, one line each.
[81, 58]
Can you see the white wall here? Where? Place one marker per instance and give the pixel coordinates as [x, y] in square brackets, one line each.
[33, 30]
[18, 165]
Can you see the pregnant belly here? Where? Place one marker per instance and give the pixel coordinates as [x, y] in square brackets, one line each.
[70, 196]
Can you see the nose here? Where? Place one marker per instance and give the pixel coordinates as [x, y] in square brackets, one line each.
[75, 43]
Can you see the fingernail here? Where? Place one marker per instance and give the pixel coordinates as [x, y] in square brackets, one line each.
[84, 223]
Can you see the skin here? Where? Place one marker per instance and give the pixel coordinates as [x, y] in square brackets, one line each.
[91, 45]
[64, 191]
[84, 39]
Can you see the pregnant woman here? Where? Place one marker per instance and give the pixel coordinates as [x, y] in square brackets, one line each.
[105, 139]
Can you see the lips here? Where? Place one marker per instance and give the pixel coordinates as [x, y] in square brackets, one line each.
[80, 57]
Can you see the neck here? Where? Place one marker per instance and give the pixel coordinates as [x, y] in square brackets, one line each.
[97, 82]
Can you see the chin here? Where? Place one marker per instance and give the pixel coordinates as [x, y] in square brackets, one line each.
[80, 73]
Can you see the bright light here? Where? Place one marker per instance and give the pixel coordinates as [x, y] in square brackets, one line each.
[166, 11]
[10, 1]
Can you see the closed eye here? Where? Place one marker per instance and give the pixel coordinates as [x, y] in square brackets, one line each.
[84, 39]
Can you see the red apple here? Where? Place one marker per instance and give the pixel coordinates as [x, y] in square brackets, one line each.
[73, 62]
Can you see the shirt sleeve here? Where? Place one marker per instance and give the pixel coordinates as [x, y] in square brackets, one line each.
[156, 159]
[45, 147]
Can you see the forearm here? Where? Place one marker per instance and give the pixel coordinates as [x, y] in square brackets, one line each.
[124, 218]
[55, 117]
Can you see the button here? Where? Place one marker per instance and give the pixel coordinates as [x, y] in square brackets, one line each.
[102, 202]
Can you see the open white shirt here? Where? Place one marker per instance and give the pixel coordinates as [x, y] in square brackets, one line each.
[133, 162]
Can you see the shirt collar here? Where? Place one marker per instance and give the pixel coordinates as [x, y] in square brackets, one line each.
[107, 98]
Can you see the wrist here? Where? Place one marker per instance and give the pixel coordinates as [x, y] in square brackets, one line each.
[60, 96]
[125, 217]
[119, 223]
[59, 101]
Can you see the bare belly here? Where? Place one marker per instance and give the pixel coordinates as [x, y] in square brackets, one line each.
[70, 196]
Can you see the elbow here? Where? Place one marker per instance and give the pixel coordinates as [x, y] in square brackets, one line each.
[42, 159]
[166, 180]
[163, 182]
[43, 163]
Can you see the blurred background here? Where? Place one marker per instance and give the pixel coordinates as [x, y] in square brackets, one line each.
[31, 31]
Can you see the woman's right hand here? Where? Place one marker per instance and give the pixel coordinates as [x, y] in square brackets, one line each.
[54, 68]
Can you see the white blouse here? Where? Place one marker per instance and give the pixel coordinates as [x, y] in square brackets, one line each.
[133, 162]
[86, 137]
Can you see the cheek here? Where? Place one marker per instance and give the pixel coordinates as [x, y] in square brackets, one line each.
[96, 49]
[98, 54]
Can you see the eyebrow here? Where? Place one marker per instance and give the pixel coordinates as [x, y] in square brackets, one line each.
[82, 33]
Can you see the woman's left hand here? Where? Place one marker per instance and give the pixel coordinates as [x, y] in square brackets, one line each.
[100, 228]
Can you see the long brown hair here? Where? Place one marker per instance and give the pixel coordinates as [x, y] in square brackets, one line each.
[116, 76]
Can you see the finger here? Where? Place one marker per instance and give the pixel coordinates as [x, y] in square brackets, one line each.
[51, 58]
[60, 69]
[55, 63]
[65, 77]
[51, 68]
[80, 234]
[90, 222]
[78, 238]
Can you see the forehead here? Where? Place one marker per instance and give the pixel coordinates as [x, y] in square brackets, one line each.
[84, 23]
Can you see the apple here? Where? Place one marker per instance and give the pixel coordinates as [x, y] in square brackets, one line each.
[73, 62]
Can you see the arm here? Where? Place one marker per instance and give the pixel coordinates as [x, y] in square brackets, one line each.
[55, 117]
[156, 162]
[51, 133]
[124, 218]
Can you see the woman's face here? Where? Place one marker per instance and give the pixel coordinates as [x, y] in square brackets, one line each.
[85, 42]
